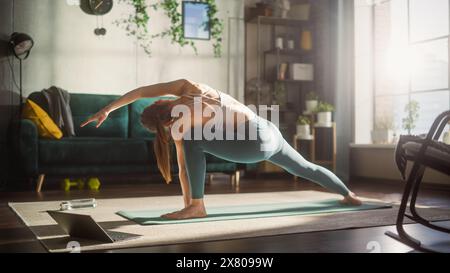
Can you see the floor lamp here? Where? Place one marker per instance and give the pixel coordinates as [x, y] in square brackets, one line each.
[21, 44]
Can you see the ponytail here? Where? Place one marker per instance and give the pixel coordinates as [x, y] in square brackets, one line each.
[161, 145]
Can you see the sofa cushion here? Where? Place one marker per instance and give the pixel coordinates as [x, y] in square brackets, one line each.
[136, 109]
[95, 150]
[45, 125]
[223, 166]
[214, 159]
[72, 170]
[40, 100]
[85, 105]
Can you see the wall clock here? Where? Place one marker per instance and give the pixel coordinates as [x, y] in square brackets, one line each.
[98, 8]
[101, 7]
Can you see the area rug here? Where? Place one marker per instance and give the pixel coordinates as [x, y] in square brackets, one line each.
[34, 215]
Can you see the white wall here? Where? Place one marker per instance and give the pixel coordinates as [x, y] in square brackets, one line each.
[363, 93]
[378, 162]
[69, 55]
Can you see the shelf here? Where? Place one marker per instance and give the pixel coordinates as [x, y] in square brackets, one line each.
[299, 138]
[322, 162]
[323, 125]
[283, 109]
[278, 21]
[294, 81]
[372, 146]
[289, 52]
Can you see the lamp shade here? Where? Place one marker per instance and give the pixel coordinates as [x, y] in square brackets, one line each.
[21, 44]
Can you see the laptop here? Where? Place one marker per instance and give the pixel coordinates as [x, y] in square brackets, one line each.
[84, 226]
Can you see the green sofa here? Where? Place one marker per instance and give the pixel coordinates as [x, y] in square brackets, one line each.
[120, 146]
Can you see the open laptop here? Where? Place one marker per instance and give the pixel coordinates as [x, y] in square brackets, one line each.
[83, 226]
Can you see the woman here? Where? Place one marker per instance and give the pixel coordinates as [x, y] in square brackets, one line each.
[266, 144]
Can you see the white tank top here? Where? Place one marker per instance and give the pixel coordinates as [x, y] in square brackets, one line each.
[226, 102]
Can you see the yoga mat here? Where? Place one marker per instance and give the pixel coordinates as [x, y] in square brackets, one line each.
[152, 217]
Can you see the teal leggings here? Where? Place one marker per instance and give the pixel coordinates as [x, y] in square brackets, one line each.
[267, 144]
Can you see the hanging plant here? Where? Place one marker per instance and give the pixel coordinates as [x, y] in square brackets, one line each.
[175, 31]
[216, 27]
[136, 23]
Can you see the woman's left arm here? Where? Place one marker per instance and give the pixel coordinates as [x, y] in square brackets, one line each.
[155, 90]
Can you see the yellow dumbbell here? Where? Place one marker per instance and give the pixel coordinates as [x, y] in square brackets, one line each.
[66, 184]
[94, 183]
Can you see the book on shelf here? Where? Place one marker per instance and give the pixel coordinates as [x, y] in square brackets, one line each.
[282, 71]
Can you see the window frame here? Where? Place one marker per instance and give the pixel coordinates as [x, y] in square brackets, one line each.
[409, 92]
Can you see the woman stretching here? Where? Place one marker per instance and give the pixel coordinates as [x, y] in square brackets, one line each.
[232, 139]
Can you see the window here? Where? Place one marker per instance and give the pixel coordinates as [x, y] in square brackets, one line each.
[411, 62]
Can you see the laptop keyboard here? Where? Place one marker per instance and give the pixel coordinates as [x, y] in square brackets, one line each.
[120, 236]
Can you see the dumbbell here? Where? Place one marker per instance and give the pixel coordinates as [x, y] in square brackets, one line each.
[66, 184]
[94, 183]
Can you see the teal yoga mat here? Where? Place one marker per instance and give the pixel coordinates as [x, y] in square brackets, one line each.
[152, 217]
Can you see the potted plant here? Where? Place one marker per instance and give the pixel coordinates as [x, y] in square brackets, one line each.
[279, 94]
[446, 138]
[303, 123]
[383, 132]
[323, 111]
[311, 101]
[412, 111]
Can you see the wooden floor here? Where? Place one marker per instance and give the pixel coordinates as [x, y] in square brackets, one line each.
[16, 237]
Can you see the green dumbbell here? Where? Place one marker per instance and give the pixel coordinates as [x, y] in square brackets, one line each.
[66, 184]
[94, 183]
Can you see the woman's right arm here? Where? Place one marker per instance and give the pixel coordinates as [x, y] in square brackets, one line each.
[182, 174]
[175, 88]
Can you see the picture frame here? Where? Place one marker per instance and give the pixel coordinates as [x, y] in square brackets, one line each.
[196, 24]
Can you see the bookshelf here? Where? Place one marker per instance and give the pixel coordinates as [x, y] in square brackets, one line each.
[269, 56]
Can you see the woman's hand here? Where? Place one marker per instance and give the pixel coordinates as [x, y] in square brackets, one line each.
[100, 117]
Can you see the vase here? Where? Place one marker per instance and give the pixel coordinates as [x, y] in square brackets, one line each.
[281, 8]
[306, 40]
[382, 136]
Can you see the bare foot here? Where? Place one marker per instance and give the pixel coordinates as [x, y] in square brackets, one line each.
[352, 200]
[192, 211]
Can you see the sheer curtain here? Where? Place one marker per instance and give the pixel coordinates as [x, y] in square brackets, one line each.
[342, 79]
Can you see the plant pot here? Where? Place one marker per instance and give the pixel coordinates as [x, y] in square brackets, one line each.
[446, 138]
[311, 105]
[324, 118]
[303, 130]
[382, 136]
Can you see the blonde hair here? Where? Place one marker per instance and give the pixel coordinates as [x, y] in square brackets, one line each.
[155, 117]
